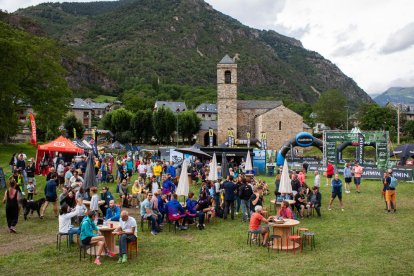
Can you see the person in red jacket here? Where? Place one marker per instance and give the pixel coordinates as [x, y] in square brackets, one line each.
[329, 172]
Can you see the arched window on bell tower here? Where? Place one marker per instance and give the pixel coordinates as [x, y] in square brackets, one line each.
[227, 77]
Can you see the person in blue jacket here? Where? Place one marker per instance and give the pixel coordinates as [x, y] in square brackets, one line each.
[51, 195]
[171, 170]
[176, 212]
[336, 191]
[113, 212]
[191, 206]
[168, 186]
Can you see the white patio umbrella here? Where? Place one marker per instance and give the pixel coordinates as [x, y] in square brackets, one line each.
[248, 167]
[285, 186]
[183, 184]
[212, 175]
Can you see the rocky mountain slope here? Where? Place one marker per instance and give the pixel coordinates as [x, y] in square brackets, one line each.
[397, 95]
[181, 41]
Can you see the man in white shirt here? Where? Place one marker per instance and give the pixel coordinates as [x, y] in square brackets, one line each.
[76, 181]
[126, 230]
[142, 170]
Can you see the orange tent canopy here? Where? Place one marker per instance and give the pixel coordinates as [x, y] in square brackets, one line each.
[61, 144]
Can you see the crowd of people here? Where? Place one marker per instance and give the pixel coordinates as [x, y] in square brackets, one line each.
[153, 194]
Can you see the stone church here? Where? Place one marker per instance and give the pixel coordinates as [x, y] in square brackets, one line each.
[271, 117]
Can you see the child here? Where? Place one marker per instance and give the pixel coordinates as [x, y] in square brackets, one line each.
[81, 209]
[30, 190]
[94, 201]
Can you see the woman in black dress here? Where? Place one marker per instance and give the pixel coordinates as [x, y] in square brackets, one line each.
[11, 198]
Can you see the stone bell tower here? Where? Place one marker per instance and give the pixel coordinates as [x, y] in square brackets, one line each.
[226, 98]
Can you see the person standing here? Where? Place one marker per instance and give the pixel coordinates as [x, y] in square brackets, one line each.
[336, 192]
[126, 230]
[12, 198]
[357, 176]
[51, 195]
[229, 197]
[348, 178]
[317, 181]
[245, 192]
[390, 183]
[329, 172]
[256, 199]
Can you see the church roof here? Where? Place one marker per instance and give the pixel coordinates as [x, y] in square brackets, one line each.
[205, 125]
[227, 60]
[258, 104]
[206, 108]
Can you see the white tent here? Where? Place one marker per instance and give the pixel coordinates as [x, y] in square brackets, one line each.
[285, 186]
[183, 184]
[248, 167]
[212, 175]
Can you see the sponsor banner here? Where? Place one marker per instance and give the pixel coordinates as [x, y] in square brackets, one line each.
[259, 161]
[33, 139]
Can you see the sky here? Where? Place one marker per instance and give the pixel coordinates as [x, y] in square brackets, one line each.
[371, 41]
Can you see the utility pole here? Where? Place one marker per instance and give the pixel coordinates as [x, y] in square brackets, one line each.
[176, 137]
[347, 116]
[398, 124]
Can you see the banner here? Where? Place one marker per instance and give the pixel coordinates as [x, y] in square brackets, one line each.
[74, 133]
[361, 143]
[259, 161]
[210, 137]
[248, 139]
[33, 125]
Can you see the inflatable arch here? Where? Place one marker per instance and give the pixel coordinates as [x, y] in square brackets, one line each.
[302, 139]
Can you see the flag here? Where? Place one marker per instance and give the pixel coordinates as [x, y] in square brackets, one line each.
[74, 133]
[33, 125]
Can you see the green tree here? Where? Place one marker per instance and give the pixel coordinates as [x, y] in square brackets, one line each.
[409, 129]
[330, 109]
[31, 75]
[141, 125]
[188, 124]
[106, 122]
[71, 122]
[375, 117]
[164, 123]
[120, 120]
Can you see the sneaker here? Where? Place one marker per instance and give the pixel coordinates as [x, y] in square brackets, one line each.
[154, 233]
[120, 260]
[13, 230]
[342, 209]
[124, 258]
[110, 254]
[329, 208]
[97, 261]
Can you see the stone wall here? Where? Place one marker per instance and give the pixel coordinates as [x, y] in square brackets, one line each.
[246, 122]
[291, 123]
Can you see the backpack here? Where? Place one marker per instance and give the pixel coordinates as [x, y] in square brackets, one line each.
[394, 182]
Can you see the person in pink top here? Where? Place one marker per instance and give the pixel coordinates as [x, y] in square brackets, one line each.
[302, 177]
[285, 211]
[357, 170]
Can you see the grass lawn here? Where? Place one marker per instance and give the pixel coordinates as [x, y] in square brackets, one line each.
[361, 240]
[104, 99]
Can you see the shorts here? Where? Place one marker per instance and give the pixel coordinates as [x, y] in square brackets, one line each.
[348, 179]
[86, 241]
[129, 173]
[143, 175]
[329, 175]
[51, 199]
[339, 194]
[257, 231]
[357, 180]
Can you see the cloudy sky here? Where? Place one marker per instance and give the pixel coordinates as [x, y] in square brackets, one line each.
[371, 41]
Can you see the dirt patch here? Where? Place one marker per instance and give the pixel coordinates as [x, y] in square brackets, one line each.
[21, 242]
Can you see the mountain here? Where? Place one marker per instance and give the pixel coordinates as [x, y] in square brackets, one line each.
[83, 76]
[403, 95]
[180, 42]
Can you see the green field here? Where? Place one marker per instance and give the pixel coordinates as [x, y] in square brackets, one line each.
[104, 99]
[362, 240]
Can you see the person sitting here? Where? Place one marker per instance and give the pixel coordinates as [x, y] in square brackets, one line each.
[88, 237]
[80, 209]
[315, 201]
[285, 211]
[162, 200]
[113, 212]
[255, 221]
[136, 191]
[147, 213]
[65, 218]
[300, 202]
[191, 205]
[176, 212]
[126, 230]
[124, 194]
[107, 196]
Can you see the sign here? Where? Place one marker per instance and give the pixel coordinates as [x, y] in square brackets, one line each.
[259, 160]
[33, 139]
[304, 139]
[360, 150]
[2, 179]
